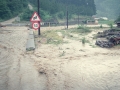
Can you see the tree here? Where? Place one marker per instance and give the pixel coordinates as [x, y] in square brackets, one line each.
[11, 8]
[74, 6]
[4, 10]
[108, 8]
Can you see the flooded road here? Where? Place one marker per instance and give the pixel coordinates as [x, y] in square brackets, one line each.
[47, 68]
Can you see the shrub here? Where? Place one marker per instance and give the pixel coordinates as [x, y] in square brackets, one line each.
[101, 26]
[52, 37]
[111, 25]
[83, 40]
[26, 15]
[83, 29]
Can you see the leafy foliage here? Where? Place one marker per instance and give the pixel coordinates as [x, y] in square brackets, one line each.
[11, 8]
[48, 8]
[59, 7]
[108, 8]
[26, 15]
[5, 12]
[83, 29]
[118, 19]
[52, 37]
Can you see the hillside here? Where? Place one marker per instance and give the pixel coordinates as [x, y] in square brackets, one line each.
[11, 8]
[74, 7]
[48, 8]
[108, 8]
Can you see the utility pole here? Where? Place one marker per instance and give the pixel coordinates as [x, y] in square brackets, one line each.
[67, 18]
[67, 13]
[78, 19]
[39, 16]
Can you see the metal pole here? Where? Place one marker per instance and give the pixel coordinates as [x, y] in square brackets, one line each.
[67, 18]
[67, 14]
[39, 15]
[78, 19]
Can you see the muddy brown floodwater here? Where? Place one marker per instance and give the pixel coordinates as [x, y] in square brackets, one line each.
[69, 66]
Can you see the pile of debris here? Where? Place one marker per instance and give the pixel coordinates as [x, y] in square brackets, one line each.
[108, 38]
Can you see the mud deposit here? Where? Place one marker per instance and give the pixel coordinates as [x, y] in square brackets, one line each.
[48, 68]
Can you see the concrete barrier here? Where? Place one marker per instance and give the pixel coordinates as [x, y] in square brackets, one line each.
[30, 41]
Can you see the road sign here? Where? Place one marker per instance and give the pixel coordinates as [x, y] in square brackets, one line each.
[35, 25]
[35, 17]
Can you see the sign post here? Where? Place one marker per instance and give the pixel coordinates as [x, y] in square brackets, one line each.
[67, 18]
[35, 25]
[38, 15]
[35, 19]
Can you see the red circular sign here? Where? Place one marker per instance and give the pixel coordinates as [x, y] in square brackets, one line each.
[35, 25]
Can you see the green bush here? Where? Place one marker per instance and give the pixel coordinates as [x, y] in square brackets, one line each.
[106, 21]
[60, 14]
[52, 37]
[83, 29]
[111, 25]
[118, 19]
[26, 15]
[101, 26]
[45, 15]
[83, 40]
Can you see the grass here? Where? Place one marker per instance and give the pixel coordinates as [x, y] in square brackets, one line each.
[110, 25]
[84, 40]
[62, 54]
[79, 30]
[93, 46]
[83, 29]
[105, 22]
[52, 37]
[117, 46]
[101, 26]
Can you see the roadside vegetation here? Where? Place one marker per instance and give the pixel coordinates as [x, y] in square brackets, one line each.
[101, 21]
[110, 23]
[84, 41]
[11, 8]
[26, 15]
[118, 19]
[83, 29]
[108, 8]
[49, 9]
[56, 37]
[50, 37]
[80, 30]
